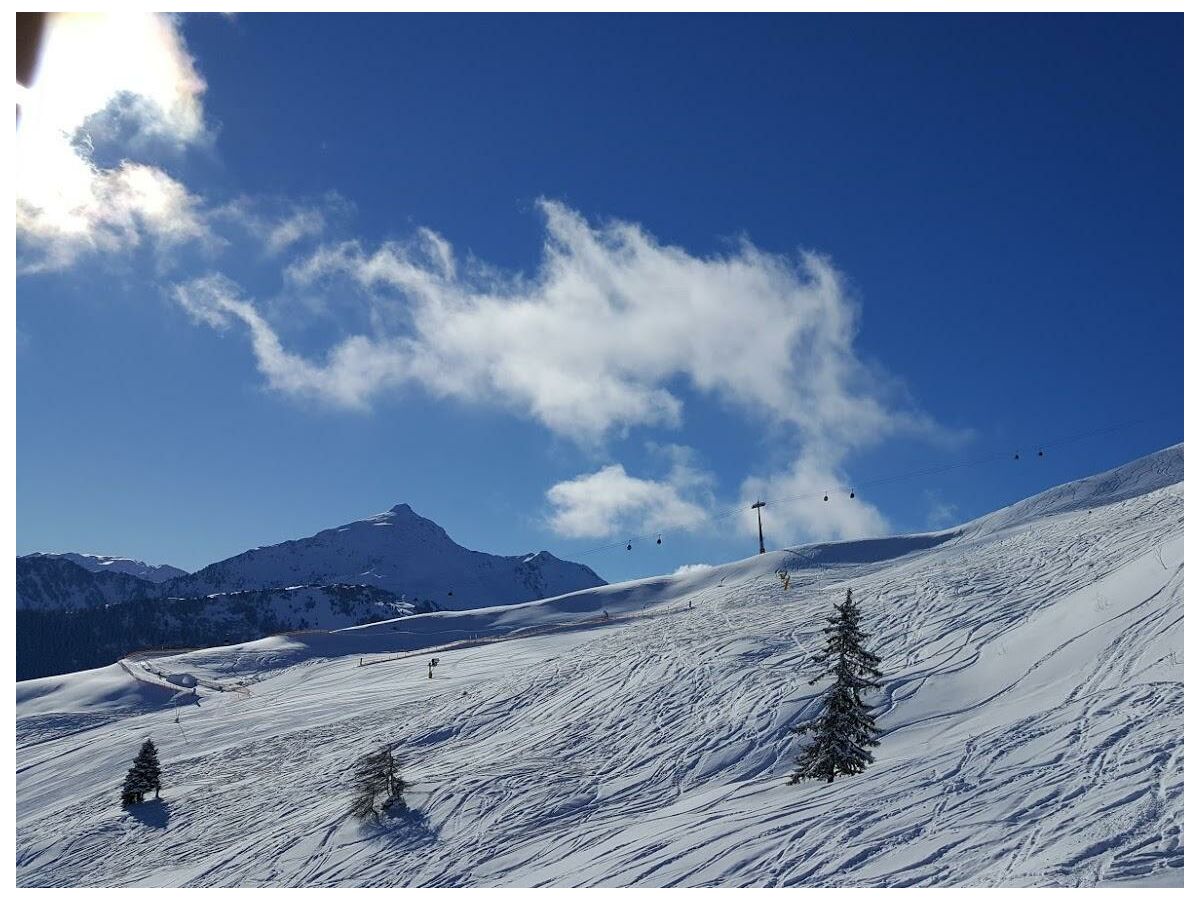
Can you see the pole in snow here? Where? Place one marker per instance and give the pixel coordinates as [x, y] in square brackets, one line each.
[758, 506]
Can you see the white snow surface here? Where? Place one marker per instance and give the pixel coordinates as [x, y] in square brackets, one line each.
[1032, 709]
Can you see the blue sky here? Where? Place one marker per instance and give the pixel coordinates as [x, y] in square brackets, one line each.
[555, 281]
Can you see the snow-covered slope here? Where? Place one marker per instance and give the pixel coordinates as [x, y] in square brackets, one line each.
[1032, 711]
[1131, 480]
[134, 567]
[400, 552]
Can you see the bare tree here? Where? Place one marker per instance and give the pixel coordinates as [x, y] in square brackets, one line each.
[378, 785]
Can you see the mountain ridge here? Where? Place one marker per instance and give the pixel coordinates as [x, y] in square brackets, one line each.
[54, 582]
[387, 566]
[399, 551]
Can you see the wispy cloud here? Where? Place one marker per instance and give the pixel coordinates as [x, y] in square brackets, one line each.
[593, 340]
[215, 301]
[594, 343]
[100, 74]
[279, 225]
[302, 223]
[940, 513]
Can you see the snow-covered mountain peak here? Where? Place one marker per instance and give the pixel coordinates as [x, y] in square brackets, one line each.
[399, 551]
[402, 516]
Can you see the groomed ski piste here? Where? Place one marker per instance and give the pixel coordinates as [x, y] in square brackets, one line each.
[1032, 710]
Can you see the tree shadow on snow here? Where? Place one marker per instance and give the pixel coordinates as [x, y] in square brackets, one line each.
[154, 813]
[404, 827]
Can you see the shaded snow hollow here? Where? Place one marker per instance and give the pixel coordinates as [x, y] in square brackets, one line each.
[1032, 710]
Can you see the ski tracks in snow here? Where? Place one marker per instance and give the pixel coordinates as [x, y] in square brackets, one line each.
[1032, 709]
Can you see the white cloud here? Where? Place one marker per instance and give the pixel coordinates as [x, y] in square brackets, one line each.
[98, 70]
[591, 342]
[104, 210]
[610, 501]
[597, 341]
[341, 379]
[692, 568]
[796, 509]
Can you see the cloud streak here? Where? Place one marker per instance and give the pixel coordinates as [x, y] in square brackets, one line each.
[592, 343]
[280, 225]
[355, 364]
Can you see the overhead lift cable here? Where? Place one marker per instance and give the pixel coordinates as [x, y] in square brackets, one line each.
[1041, 447]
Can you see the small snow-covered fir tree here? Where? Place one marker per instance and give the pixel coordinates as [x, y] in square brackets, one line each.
[377, 776]
[143, 776]
[845, 730]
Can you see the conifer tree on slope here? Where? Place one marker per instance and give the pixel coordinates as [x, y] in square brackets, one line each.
[143, 776]
[132, 788]
[376, 774]
[845, 730]
[147, 762]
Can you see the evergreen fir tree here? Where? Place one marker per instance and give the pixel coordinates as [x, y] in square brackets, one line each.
[132, 789]
[147, 762]
[143, 776]
[376, 775]
[845, 729]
